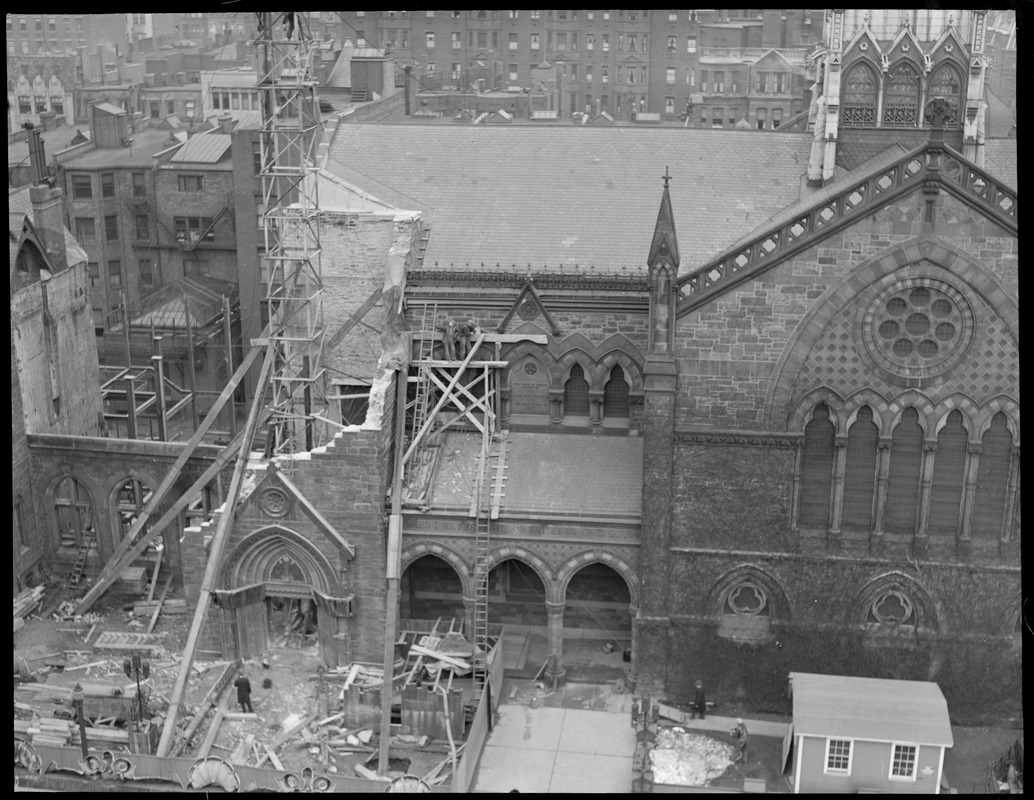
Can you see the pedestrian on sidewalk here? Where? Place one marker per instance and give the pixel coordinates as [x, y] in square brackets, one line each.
[244, 693]
[699, 702]
[740, 733]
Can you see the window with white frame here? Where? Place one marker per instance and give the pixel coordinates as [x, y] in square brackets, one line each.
[903, 762]
[590, 41]
[534, 41]
[838, 756]
[606, 43]
[456, 43]
[512, 41]
[669, 75]
[429, 40]
[513, 73]
[691, 44]
[669, 106]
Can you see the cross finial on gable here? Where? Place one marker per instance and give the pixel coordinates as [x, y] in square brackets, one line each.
[666, 177]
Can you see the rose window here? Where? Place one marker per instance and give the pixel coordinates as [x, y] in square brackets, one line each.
[892, 608]
[918, 329]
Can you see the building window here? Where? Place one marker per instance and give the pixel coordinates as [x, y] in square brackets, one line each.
[631, 44]
[780, 82]
[107, 184]
[604, 74]
[143, 232]
[762, 83]
[949, 472]
[816, 470]
[588, 73]
[838, 756]
[139, 185]
[858, 109]
[992, 480]
[85, 230]
[111, 228]
[191, 183]
[906, 458]
[73, 512]
[156, 110]
[457, 43]
[615, 395]
[57, 104]
[777, 117]
[945, 83]
[429, 40]
[535, 14]
[115, 274]
[761, 117]
[512, 42]
[576, 393]
[189, 229]
[235, 101]
[631, 75]
[903, 762]
[93, 274]
[901, 98]
[669, 76]
[719, 81]
[82, 187]
[673, 16]
[535, 41]
[691, 44]
[145, 272]
[860, 472]
[513, 73]
[716, 117]
[669, 106]
[129, 505]
[590, 41]
[606, 43]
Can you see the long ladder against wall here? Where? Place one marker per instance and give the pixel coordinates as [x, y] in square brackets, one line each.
[425, 353]
[80, 559]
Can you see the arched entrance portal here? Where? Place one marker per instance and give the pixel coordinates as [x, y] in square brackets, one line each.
[431, 589]
[517, 599]
[597, 624]
[282, 592]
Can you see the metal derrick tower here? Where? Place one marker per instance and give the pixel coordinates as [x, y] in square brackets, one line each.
[290, 138]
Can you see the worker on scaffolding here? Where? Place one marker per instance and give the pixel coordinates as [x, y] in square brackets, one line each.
[449, 334]
[467, 333]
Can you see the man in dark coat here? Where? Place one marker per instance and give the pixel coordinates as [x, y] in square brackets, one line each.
[699, 702]
[244, 693]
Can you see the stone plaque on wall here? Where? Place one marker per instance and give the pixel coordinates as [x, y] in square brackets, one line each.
[529, 384]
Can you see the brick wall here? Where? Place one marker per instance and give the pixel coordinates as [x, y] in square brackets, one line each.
[973, 658]
[102, 466]
[729, 351]
[24, 557]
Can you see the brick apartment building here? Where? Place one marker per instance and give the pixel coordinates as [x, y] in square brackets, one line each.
[623, 62]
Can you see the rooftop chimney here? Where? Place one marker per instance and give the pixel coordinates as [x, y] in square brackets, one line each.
[37, 156]
[226, 122]
[49, 220]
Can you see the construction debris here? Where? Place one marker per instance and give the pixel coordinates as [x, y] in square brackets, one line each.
[26, 603]
[688, 759]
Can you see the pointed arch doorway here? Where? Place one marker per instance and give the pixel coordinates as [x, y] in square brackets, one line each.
[283, 593]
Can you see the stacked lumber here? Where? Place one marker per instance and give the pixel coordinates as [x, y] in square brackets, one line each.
[25, 603]
[45, 730]
[145, 608]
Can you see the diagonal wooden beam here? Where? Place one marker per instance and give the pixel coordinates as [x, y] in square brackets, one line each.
[441, 402]
[333, 341]
[110, 571]
[215, 553]
[476, 403]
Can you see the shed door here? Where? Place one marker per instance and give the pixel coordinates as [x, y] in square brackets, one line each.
[244, 619]
[787, 747]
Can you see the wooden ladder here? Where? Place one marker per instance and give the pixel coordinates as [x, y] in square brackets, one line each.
[486, 508]
[80, 560]
[426, 352]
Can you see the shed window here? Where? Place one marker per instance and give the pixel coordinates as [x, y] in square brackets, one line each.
[903, 762]
[838, 756]
[576, 393]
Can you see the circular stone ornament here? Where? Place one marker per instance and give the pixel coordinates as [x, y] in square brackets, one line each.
[274, 502]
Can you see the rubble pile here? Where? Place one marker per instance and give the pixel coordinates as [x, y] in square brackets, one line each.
[688, 759]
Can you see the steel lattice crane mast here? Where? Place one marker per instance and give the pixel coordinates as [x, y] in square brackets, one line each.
[290, 137]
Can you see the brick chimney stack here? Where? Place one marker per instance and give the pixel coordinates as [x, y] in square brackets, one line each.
[49, 219]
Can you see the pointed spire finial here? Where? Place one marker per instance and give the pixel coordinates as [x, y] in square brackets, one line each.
[666, 177]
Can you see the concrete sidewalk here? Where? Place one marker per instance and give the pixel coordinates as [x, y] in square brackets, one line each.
[558, 750]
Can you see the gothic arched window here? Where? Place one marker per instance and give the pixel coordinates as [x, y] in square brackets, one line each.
[860, 471]
[945, 82]
[73, 511]
[901, 98]
[949, 474]
[906, 458]
[816, 470]
[615, 395]
[858, 109]
[576, 393]
[992, 479]
[129, 504]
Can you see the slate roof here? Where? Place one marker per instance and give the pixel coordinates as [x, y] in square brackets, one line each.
[1000, 160]
[873, 709]
[577, 195]
[207, 149]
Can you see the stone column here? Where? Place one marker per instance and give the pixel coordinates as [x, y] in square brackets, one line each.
[876, 540]
[556, 406]
[595, 407]
[919, 541]
[964, 544]
[1010, 500]
[833, 540]
[555, 671]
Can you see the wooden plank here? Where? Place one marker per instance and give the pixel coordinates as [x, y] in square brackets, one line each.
[154, 577]
[502, 338]
[334, 340]
[114, 565]
[210, 736]
[293, 730]
[273, 759]
[215, 553]
[158, 608]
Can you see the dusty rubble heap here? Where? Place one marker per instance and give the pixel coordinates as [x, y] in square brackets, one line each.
[688, 759]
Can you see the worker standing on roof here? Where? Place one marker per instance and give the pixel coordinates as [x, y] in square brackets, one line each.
[740, 733]
[699, 702]
[244, 693]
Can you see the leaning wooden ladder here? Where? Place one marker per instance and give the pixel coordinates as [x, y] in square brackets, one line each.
[423, 384]
[80, 560]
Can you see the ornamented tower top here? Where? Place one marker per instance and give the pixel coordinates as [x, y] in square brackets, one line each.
[663, 263]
